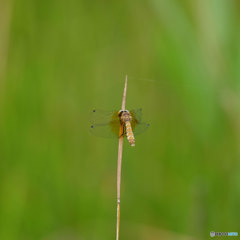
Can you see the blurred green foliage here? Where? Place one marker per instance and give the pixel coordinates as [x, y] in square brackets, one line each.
[60, 59]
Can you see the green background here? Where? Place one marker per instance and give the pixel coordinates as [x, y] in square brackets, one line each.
[61, 59]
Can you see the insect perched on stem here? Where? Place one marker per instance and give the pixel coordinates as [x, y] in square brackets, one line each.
[118, 123]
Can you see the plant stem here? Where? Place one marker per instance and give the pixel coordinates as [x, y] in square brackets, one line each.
[119, 167]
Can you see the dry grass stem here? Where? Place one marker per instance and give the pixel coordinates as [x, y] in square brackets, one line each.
[119, 167]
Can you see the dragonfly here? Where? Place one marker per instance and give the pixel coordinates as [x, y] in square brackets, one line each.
[112, 124]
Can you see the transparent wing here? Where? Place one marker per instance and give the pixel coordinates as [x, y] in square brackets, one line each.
[101, 117]
[137, 125]
[105, 123]
[105, 130]
[140, 128]
[136, 114]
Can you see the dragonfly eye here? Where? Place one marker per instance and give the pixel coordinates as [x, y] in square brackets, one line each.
[92, 126]
[94, 110]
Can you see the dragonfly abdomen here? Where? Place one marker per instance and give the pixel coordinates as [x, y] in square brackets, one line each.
[129, 133]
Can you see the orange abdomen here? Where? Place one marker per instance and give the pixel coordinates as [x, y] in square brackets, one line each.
[129, 133]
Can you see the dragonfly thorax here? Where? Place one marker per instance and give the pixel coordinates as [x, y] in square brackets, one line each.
[125, 116]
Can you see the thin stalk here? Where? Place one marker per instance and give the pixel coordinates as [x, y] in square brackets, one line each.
[119, 166]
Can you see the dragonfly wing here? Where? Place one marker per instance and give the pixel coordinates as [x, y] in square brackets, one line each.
[140, 128]
[137, 125]
[136, 114]
[104, 130]
[105, 123]
[102, 117]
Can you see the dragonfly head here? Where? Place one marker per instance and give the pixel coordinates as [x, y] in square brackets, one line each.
[125, 115]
